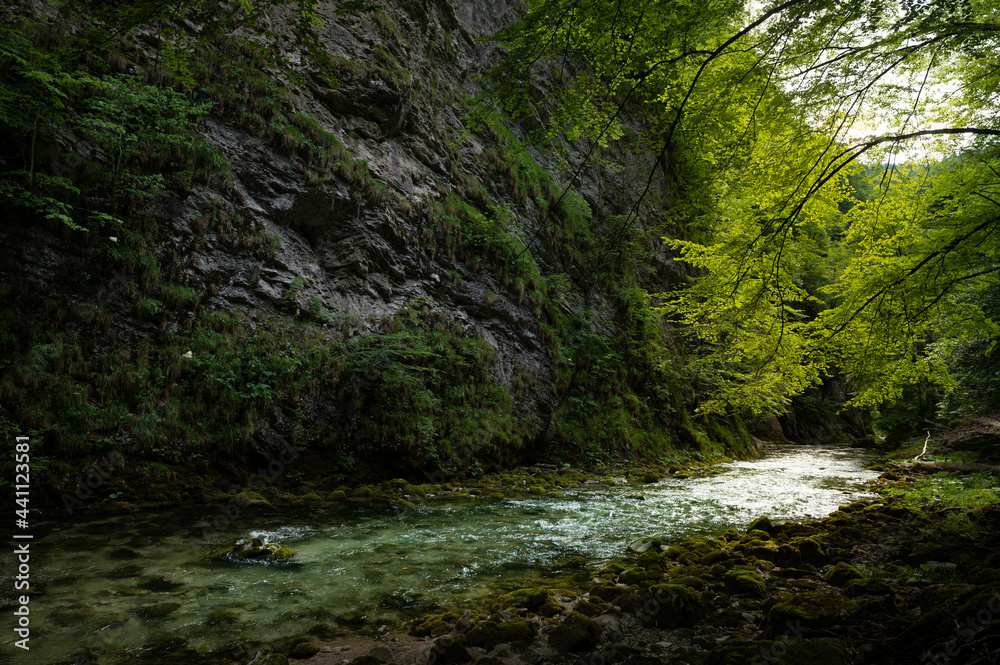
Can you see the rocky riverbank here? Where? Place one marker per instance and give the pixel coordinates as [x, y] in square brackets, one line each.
[262, 491]
[903, 578]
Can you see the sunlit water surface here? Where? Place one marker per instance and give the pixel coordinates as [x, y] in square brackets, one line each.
[383, 565]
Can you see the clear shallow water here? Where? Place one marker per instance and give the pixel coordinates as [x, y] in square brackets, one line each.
[380, 564]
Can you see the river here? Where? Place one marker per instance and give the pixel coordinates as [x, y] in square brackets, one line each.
[376, 566]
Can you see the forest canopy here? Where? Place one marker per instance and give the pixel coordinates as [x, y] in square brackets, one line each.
[836, 167]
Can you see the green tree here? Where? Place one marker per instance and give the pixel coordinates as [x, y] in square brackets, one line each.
[761, 125]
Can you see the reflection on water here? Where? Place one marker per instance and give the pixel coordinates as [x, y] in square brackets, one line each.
[377, 564]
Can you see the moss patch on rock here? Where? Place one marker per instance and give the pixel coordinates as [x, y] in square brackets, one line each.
[576, 633]
[745, 581]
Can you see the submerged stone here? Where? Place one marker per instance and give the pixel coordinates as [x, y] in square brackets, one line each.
[131, 570]
[157, 611]
[352, 618]
[159, 584]
[222, 618]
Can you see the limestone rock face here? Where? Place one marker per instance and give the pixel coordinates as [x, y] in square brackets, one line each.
[355, 246]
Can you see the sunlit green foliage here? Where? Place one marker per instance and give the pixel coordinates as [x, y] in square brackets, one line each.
[758, 119]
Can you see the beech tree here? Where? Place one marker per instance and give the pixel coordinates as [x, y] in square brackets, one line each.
[757, 120]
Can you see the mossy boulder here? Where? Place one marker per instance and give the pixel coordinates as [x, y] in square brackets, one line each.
[362, 493]
[606, 592]
[531, 598]
[761, 524]
[650, 477]
[841, 574]
[744, 581]
[337, 495]
[448, 652]
[652, 560]
[810, 550]
[765, 550]
[691, 552]
[591, 608]
[311, 497]
[787, 556]
[404, 505]
[676, 605]
[432, 626]
[304, 650]
[611, 570]
[251, 499]
[645, 545]
[367, 659]
[810, 609]
[353, 619]
[576, 633]
[255, 549]
[821, 651]
[575, 562]
[489, 634]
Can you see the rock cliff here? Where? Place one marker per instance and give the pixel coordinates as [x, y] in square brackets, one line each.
[350, 264]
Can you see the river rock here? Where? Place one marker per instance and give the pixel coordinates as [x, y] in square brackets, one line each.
[268, 658]
[489, 634]
[381, 653]
[304, 650]
[761, 524]
[531, 598]
[157, 611]
[811, 610]
[255, 549]
[676, 606]
[251, 499]
[448, 652]
[745, 581]
[576, 633]
[159, 584]
[123, 554]
[841, 574]
[644, 545]
[810, 550]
